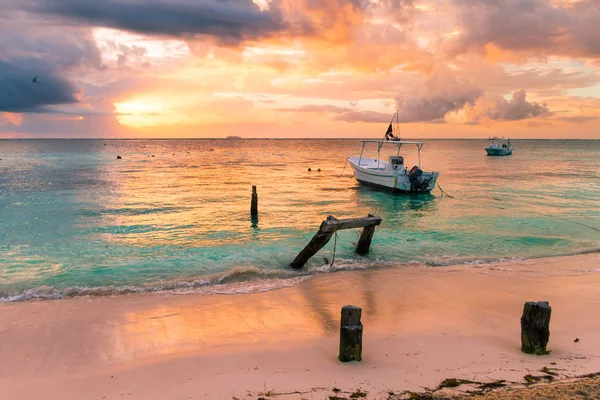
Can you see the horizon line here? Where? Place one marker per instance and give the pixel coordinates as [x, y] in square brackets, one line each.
[278, 138]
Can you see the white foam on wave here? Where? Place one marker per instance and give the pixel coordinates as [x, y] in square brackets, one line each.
[236, 280]
[257, 280]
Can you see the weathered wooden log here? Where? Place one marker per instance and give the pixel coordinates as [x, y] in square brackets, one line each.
[334, 224]
[317, 243]
[351, 331]
[329, 227]
[364, 242]
[254, 204]
[535, 327]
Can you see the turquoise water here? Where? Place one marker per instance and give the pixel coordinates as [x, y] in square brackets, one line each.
[174, 214]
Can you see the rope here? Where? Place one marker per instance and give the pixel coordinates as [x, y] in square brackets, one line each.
[334, 246]
[442, 190]
[343, 169]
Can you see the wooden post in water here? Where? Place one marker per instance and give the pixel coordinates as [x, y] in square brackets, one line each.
[254, 204]
[535, 327]
[329, 227]
[364, 242]
[351, 331]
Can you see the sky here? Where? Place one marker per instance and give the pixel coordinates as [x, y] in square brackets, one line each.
[299, 68]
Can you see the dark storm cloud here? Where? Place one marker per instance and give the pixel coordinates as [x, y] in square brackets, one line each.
[29, 48]
[230, 20]
[516, 108]
[19, 94]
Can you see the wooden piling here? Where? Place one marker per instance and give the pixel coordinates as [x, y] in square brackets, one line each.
[329, 227]
[364, 242]
[254, 204]
[351, 330]
[535, 327]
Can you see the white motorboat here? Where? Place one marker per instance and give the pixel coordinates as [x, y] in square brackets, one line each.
[392, 174]
[499, 149]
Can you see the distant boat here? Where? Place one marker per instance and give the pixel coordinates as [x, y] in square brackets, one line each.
[233, 137]
[499, 147]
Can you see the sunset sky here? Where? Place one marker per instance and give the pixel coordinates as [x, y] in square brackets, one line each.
[299, 68]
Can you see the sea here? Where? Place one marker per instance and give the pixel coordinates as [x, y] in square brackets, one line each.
[174, 215]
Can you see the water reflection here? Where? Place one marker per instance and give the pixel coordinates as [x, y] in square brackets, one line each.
[315, 299]
[389, 205]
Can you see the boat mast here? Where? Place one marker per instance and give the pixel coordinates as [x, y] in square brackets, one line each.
[397, 128]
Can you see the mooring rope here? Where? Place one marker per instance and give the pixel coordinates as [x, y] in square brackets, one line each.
[443, 192]
[334, 246]
[395, 183]
[343, 168]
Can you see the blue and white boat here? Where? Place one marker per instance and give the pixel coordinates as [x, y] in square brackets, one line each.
[499, 147]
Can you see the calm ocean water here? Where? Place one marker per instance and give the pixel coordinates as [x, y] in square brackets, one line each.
[174, 214]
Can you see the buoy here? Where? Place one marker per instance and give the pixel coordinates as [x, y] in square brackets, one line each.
[309, 170]
[118, 157]
[319, 170]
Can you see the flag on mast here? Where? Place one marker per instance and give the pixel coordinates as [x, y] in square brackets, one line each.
[389, 134]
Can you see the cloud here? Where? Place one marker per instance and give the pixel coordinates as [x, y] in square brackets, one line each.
[419, 98]
[434, 97]
[517, 108]
[533, 27]
[29, 48]
[231, 21]
[60, 47]
[364, 116]
[317, 109]
[19, 94]
[578, 119]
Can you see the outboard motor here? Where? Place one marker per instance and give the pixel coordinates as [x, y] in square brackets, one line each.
[415, 177]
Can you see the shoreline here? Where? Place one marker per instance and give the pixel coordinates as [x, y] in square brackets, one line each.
[421, 326]
[227, 282]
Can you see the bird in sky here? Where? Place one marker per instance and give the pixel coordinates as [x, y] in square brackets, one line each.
[34, 80]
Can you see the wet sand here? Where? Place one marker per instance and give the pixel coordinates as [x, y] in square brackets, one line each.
[421, 325]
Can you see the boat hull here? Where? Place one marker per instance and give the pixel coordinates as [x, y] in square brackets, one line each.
[498, 151]
[396, 181]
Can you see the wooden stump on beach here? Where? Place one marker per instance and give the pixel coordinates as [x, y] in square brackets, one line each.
[351, 331]
[535, 327]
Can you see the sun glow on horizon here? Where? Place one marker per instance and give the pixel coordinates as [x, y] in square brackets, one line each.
[141, 113]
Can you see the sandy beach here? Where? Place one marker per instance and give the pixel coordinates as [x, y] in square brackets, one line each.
[421, 326]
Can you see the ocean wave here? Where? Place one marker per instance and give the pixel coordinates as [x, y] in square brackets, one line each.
[236, 280]
[255, 280]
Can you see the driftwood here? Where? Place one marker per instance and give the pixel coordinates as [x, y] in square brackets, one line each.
[535, 327]
[351, 331]
[329, 227]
